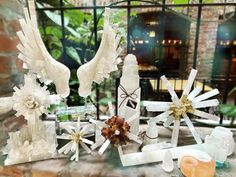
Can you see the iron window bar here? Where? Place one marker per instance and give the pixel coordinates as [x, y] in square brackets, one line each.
[130, 6]
[137, 6]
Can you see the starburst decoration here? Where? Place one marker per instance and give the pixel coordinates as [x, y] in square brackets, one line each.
[181, 107]
[76, 136]
[30, 99]
[115, 131]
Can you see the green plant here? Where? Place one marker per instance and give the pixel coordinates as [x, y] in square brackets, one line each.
[229, 109]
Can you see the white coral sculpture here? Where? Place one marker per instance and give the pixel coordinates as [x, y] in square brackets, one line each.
[76, 138]
[189, 103]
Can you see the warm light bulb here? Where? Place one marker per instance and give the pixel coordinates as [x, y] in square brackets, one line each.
[152, 34]
[140, 41]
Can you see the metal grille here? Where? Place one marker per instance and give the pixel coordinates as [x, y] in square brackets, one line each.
[127, 5]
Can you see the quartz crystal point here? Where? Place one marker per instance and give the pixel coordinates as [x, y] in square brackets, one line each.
[167, 162]
[129, 92]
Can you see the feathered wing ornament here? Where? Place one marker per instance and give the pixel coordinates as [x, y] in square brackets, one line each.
[104, 62]
[34, 53]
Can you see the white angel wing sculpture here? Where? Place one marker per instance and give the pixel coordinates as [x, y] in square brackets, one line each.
[104, 62]
[34, 53]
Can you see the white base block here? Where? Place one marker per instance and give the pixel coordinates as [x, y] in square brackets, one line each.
[23, 146]
[151, 156]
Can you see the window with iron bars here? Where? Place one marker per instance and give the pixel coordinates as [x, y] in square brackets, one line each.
[167, 37]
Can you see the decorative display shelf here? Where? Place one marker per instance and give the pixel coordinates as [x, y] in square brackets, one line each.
[119, 141]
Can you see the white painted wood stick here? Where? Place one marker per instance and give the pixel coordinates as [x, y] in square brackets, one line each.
[104, 147]
[205, 104]
[206, 115]
[206, 95]
[194, 93]
[190, 81]
[192, 129]
[175, 133]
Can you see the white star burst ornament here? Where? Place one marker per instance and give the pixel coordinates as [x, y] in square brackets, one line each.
[35, 141]
[31, 100]
[180, 107]
[75, 135]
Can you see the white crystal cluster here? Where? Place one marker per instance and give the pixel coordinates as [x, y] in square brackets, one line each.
[33, 141]
[220, 144]
[25, 146]
[30, 99]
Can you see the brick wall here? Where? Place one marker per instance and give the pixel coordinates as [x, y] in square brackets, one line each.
[10, 66]
[207, 41]
[207, 38]
[90, 2]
